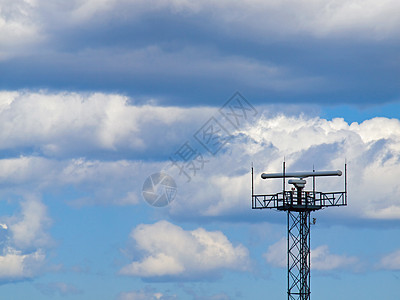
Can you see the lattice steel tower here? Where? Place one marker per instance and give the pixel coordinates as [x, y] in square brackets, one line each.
[299, 204]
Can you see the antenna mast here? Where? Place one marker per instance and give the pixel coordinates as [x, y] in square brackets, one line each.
[299, 204]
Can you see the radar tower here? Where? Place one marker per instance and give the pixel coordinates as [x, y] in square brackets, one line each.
[299, 203]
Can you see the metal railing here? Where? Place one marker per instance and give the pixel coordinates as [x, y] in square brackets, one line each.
[287, 199]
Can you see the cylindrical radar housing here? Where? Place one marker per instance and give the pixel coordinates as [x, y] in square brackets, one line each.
[301, 174]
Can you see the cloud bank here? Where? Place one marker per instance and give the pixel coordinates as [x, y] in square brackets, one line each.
[103, 146]
[196, 52]
[95, 142]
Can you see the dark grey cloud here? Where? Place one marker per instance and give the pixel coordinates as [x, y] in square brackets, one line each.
[190, 53]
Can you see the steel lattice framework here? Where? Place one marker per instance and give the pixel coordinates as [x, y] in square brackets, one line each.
[299, 255]
[298, 204]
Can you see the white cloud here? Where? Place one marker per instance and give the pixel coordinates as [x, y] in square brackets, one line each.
[24, 170]
[144, 295]
[14, 265]
[276, 254]
[172, 251]
[321, 258]
[18, 27]
[70, 135]
[29, 229]
[24, 240]
[65, 124]
[390, 261]
[101, 182]
[372, 150]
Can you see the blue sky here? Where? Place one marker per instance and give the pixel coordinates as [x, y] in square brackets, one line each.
[96, 95]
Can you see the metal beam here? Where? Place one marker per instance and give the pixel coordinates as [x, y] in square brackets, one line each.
[301, 174]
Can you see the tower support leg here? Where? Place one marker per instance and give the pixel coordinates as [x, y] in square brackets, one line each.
[298, 258]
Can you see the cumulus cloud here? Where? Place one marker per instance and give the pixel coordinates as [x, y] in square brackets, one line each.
[390, 261]
[371, 149]
[96, 181]
[29, 229]
[14, 265]
[276, 254]
[24, 240]
[172, 252]
[70, 124]
[321, 258]
[79, 140]
[69, 136]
